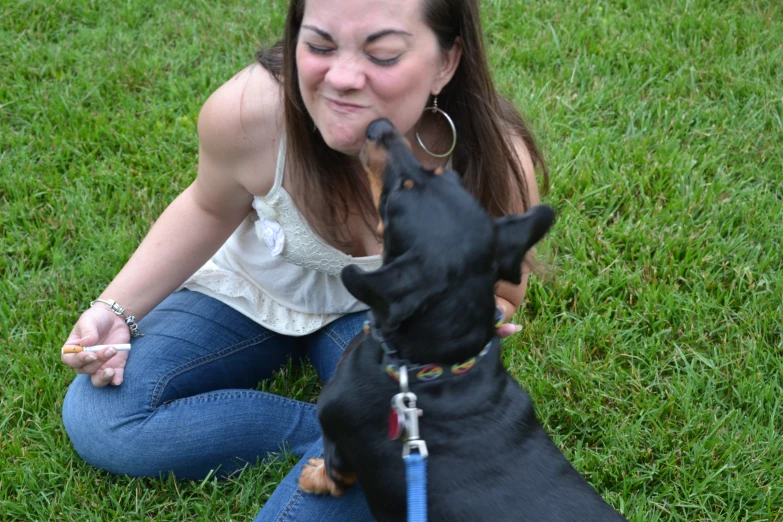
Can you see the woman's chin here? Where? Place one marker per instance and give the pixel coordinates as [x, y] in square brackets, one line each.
[347, 143]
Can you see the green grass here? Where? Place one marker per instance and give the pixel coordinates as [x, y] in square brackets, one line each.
[654, 353]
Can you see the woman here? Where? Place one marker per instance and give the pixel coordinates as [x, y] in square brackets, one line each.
[255, 245]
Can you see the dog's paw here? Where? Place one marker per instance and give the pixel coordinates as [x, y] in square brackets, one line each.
[315, 479]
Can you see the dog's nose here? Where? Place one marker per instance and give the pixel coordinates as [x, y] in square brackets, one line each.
[379, 129]
[388, 158]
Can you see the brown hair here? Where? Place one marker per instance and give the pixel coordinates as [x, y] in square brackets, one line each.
[327, 187]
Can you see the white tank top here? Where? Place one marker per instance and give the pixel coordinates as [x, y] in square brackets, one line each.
[277, 271]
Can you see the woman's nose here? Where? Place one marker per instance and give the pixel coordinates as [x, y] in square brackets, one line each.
[345, 74]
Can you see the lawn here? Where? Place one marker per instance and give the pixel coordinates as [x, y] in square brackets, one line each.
[654, 350]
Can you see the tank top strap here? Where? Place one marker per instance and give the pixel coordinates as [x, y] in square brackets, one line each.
[262, 203]
[279, 169]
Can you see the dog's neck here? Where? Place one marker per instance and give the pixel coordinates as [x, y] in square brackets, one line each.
[447, 333]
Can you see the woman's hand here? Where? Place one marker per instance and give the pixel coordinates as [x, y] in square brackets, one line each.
[505, 310]
[99, 325]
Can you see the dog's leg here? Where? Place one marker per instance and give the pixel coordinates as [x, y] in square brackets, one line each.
[321, 476]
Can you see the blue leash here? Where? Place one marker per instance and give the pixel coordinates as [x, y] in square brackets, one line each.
[407, 415]
[416, 479]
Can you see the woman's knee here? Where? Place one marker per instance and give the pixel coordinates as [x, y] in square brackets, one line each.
[100, 426]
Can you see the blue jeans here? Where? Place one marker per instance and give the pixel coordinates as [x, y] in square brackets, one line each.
[188, 405]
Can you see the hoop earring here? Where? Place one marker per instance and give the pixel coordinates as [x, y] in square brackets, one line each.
[435, 109]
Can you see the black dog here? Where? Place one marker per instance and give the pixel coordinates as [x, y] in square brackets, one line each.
[433, 307]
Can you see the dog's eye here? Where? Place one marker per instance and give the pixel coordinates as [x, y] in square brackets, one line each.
[407, 184]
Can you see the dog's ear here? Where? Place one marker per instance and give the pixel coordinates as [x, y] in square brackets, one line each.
[396, 290]
[515, 236]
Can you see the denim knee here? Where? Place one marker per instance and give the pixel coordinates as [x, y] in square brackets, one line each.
[94, 428]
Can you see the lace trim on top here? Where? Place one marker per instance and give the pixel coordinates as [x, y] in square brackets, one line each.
[235, 291]
[283, 228]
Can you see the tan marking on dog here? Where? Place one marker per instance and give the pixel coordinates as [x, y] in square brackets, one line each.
[438, 171]
[314, 479]
[373, 160]
[408, 184]
[349, 479]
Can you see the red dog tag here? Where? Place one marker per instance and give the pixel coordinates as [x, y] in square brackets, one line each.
[396, 424]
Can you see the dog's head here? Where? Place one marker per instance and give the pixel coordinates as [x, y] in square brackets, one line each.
[439, 243]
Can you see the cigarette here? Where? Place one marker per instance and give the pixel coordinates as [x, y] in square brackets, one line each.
[96, 348]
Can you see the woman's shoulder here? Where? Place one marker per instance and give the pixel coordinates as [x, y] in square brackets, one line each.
[528, 169]
[520, 201]
[240, 126]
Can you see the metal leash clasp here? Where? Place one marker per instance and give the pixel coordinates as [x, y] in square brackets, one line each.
[404, 405]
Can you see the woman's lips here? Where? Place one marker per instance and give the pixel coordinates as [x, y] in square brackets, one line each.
[343, 107]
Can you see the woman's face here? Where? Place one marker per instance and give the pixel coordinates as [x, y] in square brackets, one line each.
[359, 60]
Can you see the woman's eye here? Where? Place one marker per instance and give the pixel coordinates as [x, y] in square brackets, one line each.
[318, 50]
[384, 62]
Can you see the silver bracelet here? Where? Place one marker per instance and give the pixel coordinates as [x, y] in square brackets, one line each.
[118, 309]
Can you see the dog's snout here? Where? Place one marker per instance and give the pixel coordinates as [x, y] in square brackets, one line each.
[374, 158]
[388, 160]
[378, 129]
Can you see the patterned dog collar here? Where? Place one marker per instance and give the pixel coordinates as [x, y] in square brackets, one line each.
[423, 372]
[431, 372]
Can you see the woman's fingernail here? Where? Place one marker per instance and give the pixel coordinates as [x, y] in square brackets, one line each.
[111, 352]
[108, 373]
[90, 358]
[517, 328]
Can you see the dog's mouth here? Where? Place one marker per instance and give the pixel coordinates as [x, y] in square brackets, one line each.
[383, 142]
[374, 157]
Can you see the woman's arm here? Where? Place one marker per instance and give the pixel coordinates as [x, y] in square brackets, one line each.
[235, 143]
[508, 297]
[238, 138]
